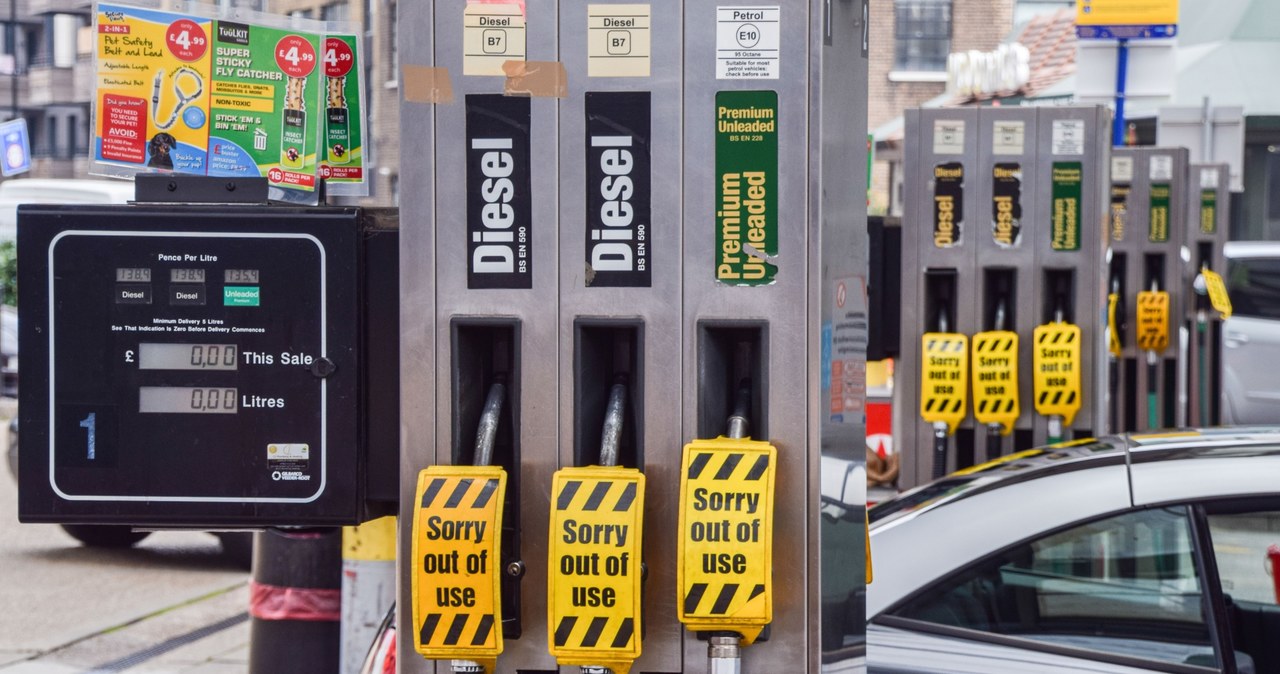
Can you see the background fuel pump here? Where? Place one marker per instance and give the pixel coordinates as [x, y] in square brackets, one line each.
[1002, 235]
[1208, 205]
[1147, 230]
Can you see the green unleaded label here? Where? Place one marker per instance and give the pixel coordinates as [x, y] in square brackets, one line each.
[746, 186]
[1067, 179]
[1158, 224]
[240, 296]
[1208, 211]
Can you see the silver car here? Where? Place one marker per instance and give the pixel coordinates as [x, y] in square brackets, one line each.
[1251, 336]
[1137, 553]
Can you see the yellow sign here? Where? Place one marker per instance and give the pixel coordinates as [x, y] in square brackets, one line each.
[457, 529]
[944, 378]
[725, 574]
[1113, 327]
[1126, 12]
[1056, 362]
[593, 579]
[1153, 320]
[995, 379]
[1217, 292]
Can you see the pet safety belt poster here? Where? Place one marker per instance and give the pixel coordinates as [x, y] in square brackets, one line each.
[215, 97]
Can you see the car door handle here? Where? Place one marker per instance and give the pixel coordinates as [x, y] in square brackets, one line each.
[1234, 339]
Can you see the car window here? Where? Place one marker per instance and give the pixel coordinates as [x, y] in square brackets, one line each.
[1125, 585]
[1254, 287]
[1246, 547]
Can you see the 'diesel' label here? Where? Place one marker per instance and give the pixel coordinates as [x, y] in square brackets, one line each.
[618, 236]
[499, 206]
[948, 204]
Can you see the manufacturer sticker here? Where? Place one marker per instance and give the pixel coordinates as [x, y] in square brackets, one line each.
[1008, 137]
[1153, 320]
[457, 529]
[948, 136]
[492, 34]
[1161, 168]
[748, 42]
[618, 193]
[499, 207]
[593, 579]
[746, 187]
[944, 378]
[1056, 362]
[995, 379]
[1006, 205]
[1209, 178]
[1068, 136]
[1122, 169]
[1158, 215]
[948, 204]
[725, 549]
[289, 456]
[1067, 181]
[618, 42]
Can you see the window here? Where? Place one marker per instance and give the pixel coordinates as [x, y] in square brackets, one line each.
[337, 11]
[1254, 286]
[1127, 585]
[1245, 548]
[922, 35]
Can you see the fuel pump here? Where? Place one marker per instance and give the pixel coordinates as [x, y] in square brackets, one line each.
[1150, 266]
[594, 569]
[457, 549]
[726, 538]
[1206, 235]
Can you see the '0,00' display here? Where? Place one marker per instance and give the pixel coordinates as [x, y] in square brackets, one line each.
[186, 399]
[154, 356]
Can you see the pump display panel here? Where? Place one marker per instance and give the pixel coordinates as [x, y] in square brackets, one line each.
[189, 366]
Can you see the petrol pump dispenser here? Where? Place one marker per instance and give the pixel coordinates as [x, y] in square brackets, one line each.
[1005, 239]
[628, 201]
[1147, 230]
[942, 224]
[1208, 204]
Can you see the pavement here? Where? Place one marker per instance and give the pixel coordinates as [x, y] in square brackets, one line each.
[170, 605]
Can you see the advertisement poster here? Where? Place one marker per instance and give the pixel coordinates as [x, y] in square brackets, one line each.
[342, 160]
[266, 104]
[153, 89]
[191, 94]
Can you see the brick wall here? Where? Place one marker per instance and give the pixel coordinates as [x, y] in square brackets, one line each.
[975, 24]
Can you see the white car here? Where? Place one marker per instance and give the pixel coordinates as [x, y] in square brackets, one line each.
[1251, 336]
[1137, 553]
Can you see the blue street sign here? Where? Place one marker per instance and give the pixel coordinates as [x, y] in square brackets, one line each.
[1134, 32]
[15, 147]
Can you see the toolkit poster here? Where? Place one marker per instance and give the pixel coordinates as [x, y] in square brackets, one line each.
[342, 158]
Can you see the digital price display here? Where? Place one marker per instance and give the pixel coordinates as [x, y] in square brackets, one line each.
[153, 356]
[186, 276]
[186, 400]
[133, 275]
[240, 276]
[174, 412]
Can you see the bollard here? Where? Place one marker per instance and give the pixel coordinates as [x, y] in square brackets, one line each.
[295, 602]
[368, 586]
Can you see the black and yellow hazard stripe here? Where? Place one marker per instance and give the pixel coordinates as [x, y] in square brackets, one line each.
[609, 495]
[598, 632]
[458, 493]
[465, 629]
